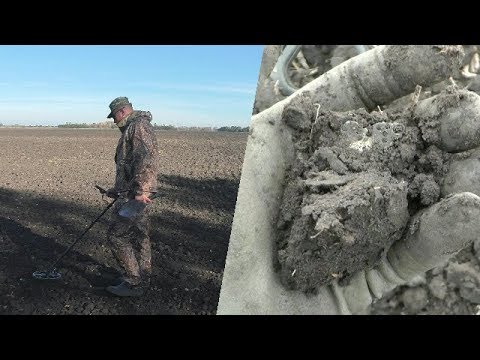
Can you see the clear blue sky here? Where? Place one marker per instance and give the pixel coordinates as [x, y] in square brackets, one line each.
[196, 85]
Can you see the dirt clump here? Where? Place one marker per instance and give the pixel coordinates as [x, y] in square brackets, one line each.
[358, 179]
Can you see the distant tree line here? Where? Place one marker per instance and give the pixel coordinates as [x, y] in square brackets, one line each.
[102, 125]
[25, 126]
[164, 127]
[112, 125]
[74, 126]
[233, 129]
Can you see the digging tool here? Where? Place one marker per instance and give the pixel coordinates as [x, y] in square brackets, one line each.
[52, 273]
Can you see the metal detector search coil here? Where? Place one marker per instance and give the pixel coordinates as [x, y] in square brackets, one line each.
[47, 275]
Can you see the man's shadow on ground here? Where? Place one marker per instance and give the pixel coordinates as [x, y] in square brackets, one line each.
[25, 252]
[22, 252]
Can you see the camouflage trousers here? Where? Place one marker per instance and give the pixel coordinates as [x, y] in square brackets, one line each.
[130, 242]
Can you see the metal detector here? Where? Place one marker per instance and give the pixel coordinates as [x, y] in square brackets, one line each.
[52, 273]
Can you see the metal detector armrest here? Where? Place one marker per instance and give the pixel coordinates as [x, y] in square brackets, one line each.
[107, 193]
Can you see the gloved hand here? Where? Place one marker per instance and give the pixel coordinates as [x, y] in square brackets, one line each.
[429, 218]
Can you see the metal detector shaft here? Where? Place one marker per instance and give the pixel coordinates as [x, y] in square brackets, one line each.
[73, 244]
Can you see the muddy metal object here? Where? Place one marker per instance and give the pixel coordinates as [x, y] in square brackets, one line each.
[52, 273]
[280, 71]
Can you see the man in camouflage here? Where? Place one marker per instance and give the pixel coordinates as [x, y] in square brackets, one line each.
[136, 178]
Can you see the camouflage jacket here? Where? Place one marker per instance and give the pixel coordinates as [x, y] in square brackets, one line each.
[136, 155]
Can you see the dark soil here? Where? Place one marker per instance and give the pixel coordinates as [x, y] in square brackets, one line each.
[48, 198]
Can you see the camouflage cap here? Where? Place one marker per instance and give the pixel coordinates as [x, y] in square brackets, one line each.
[118, 103]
